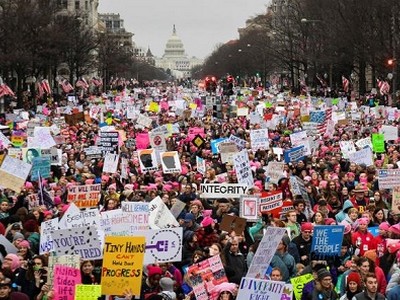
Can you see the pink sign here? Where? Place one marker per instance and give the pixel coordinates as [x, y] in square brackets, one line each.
[65, 280]
[142, 141]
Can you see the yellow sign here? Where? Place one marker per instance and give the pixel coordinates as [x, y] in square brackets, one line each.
[299, 283]
[154, 107]
[17, 141]
[122, 264]
[87, 291]
[192, 105]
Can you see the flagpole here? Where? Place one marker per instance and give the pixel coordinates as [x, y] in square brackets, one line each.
[40, 189]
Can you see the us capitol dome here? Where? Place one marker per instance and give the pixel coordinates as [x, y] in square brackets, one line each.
[175, 59]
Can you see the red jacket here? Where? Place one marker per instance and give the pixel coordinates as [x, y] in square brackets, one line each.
[363, 241]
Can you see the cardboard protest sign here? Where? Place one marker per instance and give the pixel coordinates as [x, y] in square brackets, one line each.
[81, 241]
[299, 282]
[233, 223]
[251, 288]
[157, 141]
[87, 291]
[84, 196]
[294, 154]
[265, 252]
[327, 240]
[160, 216]
[46, 240]
[170, 162]
[42, 138]
[249, 207]
[53, 154]
[74, 217]
[391, 133]
[347, 147]
[259, 139]
[205, 275]
[275, 171]
[396, 200]
[388, 178]
[240, 143]
[122, 264]
[13, 173]
[65, 279]
[378, 143]
[243, 170]
[226, 190]
[111, 163]
[40, 168]
[365, 142]
[72, 261]
[144, 121]
[147, 160]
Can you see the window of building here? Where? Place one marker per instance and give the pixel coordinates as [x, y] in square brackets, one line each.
[87, 5]
[62, 4]
[77, 4]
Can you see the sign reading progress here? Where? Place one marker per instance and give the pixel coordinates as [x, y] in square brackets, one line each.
[216, 190]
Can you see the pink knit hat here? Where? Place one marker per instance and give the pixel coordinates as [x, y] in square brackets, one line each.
[15, 261]
[25, 244]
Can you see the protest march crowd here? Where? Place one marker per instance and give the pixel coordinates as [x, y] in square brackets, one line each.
[166, 192]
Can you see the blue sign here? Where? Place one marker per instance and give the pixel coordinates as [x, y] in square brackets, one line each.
[294, 154]
[214, 145]
[40, 165]
[327, 239]
[374, 230]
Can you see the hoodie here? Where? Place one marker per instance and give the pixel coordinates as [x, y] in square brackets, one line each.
[341, 215]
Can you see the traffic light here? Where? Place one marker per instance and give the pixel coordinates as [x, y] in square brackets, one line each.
[211, 84]
[390, 62]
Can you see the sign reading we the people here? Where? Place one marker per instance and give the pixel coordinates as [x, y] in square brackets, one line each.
[327, 239]
[122, 264]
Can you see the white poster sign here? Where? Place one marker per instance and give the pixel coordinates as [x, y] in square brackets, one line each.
[363, 156]
[170, 162]
[46, 240]
[259, 139]
[160, 216]
[225, 190]
[111, 163]
[241, 164]
[251, 288]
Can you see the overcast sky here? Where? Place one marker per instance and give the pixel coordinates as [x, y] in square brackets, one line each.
[201, 24]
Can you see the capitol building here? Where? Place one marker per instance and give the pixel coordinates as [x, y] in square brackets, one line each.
[175, 59]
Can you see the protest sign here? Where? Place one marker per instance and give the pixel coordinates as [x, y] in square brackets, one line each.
[229, 223]
[13, 173]
[40, 168]
[251, 288]
[65, 279]
[93, 152]
[391, 133]
[294, 154]
[249, 207]
[144, 121]
[84, 196]
[147, 160]
[265, 252]
[214, 144]
[109, 141]
[225, 190]
[46, 240]
[28, 154]
[347, 147]
[160, 216]
[177, 208]
[378, 143]
[298, 284]
[53, 154]
[81, 241]
[113, 222]
[87, 291]
[111, 163]
[396, 200]
[157, 141]
[74, 217]
[274, 171]
[122, 264]
[205, 275]
[42, 138]
[300, 138]
[287, 292]
[388, 178]
[170, 162]
[327, 240]
[4, 140]
[243, 170]
[259, 139]
[240, 143]
[271, 203]
[201, 165]
[72, 261]
[363, 156]
[297, 187]
[137, 214]
[365, 142]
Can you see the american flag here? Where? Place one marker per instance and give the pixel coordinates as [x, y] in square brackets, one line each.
[82, 83]
[5, 90]
[345, 84]
[45, 86]
[384, 87]
[40, 89]
[321, 81]
[96, 81]
[321, 127]
[66, 86]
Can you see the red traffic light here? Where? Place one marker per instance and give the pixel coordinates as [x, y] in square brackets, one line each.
[213, 78]
[391, 61]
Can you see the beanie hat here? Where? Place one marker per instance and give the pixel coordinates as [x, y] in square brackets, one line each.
[371, 255]
[395, 229]
[18, 235]
[225, 287]
[189, 217]
[15, 261]
[306, 226]
[207, 221]
[354, 277]
[384, 226]
[362, 221]
[25, 244]
[207, 213]
[153, 270]
[57, 200]
[321, 274]
[167, 284]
